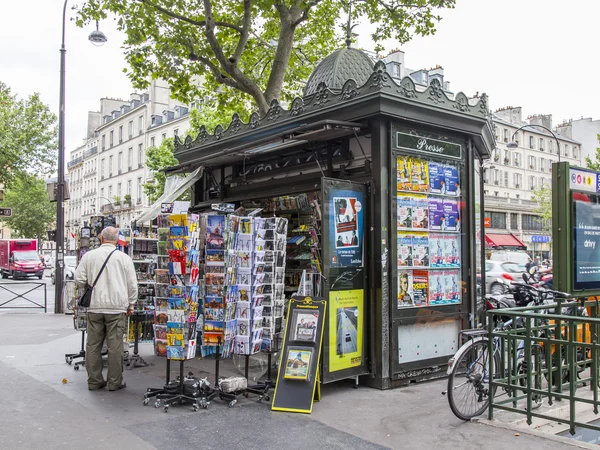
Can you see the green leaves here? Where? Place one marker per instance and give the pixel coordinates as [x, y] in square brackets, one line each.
[247, 50]
[158, 159]
[542, 195]
[28, 137]
[595, 164]
[32, 212]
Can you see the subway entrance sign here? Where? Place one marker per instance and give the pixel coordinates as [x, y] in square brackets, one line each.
[5, 212]
[576, 233]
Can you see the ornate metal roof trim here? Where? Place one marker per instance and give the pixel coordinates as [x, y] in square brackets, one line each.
[379, 82]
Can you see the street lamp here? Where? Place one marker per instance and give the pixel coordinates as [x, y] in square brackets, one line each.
[97, 38]
[513, 144]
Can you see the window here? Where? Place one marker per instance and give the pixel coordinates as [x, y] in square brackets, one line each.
[139, 190]
[541, 144]
[506, 157]
[130, 158]
[506, 178]
[566, 150]
[531, 222]
[140, 124]
[101, 193]
[120, 134]
[130, 129]
[506, 137]
[542, 164]
[111, 136]
[532, 182]
[550, 146]
[575, 153]
[514, 221]
[102, 168]
[110, 166]
[152, 141]
[517, 181]
[110, 193]
[175, 132]
[120, 162]
[140, 155]
[497, 219]
[129, 188]
[164, 136]
[517, 159]
[119, 191]
[532, 163]
[531, 142]
[103, 142]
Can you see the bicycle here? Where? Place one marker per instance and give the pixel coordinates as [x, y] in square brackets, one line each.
[468, 373]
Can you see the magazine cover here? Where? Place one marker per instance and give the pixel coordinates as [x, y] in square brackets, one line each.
[420, 249]
[419, 175]
[404, 250]
[436, 250]
[452, 286]
[451, 220]
[405, 288]
[420, 214]
[160, 347]
[403, 178]
[451, 250]
[304, 325]
[437, 183]
[452, 180]
[436, 212]
[420, 288]
[297, 363]
[436, 287]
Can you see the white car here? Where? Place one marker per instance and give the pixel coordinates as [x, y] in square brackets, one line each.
[69, 269]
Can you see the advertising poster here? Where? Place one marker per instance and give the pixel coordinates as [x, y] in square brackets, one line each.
[452, 184]
[419, 175]
[420, 214]
[403, 174]
[345, 329]
[347, 228]
[404, 250]
[586, 235]
[405, 288]
[404, 212]
[450, 219]
[420, 249]
[436, 287]
[437, 183]
[436, 213]
[420, 288]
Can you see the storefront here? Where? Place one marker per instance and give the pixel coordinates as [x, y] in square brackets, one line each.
[381, 186]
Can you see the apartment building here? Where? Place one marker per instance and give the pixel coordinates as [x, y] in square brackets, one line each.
[584, 130]
[108, 171]
[512, 174]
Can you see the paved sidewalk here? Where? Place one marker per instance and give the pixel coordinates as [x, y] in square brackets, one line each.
[43, 412]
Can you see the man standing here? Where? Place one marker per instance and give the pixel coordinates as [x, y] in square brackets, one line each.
[113, 298]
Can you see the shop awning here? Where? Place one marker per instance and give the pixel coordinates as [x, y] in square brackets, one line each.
[174, 186]
[503, 240]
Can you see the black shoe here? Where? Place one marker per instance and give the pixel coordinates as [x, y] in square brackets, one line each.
[92, 388]
[123, 386]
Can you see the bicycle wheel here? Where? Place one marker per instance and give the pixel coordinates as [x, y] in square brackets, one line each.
[468, 383]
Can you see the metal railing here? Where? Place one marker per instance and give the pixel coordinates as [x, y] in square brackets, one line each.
[13, 288]
[549, 353]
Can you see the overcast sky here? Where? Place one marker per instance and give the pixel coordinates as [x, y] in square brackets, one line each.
[538, 54]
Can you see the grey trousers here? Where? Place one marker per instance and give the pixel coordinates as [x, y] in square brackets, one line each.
[111, 327]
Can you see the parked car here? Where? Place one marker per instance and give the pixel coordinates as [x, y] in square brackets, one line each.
[507, 270]
[49, 261]
[69, 269]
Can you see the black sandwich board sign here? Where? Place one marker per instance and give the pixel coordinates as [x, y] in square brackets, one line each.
[297, 378]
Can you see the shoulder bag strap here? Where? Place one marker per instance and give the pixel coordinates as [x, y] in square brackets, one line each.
[103, 266]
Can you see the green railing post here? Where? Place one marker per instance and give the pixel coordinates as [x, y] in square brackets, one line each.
[572, 356]
[527, 357]
[491, 373]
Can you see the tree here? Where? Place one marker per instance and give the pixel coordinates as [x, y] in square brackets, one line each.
[542, 195]
[27, 136]
[157, 160]
[32, 212]
[595, 164]
[241, 50]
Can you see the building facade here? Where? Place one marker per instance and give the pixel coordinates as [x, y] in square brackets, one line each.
[107, 173]
[584, 130]
[513, 174]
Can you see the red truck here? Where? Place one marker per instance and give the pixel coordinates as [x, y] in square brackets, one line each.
[19, 258]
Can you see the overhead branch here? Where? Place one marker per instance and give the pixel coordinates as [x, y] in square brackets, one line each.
[304, 16]
[245, 31]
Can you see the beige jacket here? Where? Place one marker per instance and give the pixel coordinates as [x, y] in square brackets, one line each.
[117, 286]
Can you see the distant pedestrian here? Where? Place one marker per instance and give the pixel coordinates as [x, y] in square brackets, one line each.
[113, 298]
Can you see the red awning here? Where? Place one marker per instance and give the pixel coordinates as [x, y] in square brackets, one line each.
[503, 240]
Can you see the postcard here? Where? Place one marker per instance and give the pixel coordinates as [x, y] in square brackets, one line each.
[297, 363]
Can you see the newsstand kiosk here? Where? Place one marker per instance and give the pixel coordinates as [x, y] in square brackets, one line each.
[380, 181]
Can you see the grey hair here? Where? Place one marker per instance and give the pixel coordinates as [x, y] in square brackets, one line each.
[110, 234]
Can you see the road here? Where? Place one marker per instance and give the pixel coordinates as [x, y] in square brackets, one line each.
[27, 293]
[346, 333]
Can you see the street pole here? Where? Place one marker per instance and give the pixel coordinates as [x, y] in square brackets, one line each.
[60, 215]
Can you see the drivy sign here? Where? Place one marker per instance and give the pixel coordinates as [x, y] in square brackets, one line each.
[5, 212]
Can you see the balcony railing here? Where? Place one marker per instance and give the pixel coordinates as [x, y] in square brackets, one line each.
[74, 162]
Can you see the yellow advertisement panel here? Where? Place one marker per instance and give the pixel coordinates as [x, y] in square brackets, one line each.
[345, 329]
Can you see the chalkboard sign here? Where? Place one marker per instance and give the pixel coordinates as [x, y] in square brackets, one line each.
[299, 361]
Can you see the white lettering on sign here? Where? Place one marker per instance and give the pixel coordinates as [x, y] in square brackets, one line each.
[423, 145]
[589, 244]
